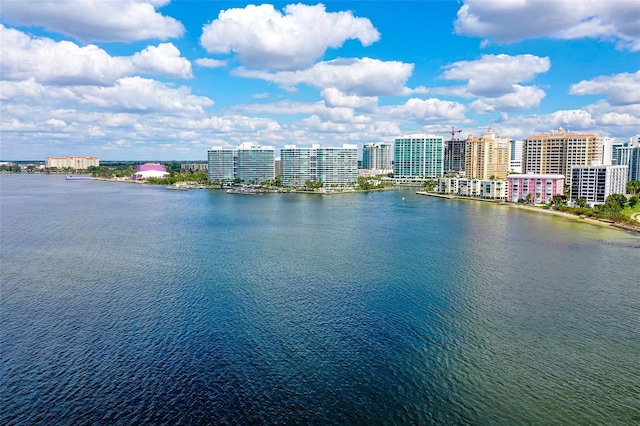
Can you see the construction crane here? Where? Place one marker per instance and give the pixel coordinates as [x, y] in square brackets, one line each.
[452, 132]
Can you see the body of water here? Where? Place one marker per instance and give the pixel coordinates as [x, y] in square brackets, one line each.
[130, 304]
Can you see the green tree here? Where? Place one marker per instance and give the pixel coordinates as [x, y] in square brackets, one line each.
[364, 183]
[633, 201]
[313, 184]
[633, 187]
[581, 202]
[429, 185]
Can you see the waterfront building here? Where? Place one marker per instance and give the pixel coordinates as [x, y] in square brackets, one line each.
[454, 157]
[150, 170]
[487, 156]
[334, 166]
[607, 150]
[249, 162]
[558, 152]
[630, 156]
[539, 188]
[481, 188]
[72, 162]
[515, 165]
[596, 183]
[377, 156]
[254, 163]
[418, 156]
[615, 153]
[192, 167]
[220, 164]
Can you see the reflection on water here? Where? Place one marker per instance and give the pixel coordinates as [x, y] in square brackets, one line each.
[131, 304]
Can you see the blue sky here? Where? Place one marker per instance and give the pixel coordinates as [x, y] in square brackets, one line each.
[153, 79]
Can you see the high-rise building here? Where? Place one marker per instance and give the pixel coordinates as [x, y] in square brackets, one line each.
[220, 164]
[596, 183]
[557, 152]
[71, 162]
[615, 152]
[630, 156]
[515, 165]
[607, 150]
[487, 156]
[254, 163]
[334, 166]
[249, 162]
[418, 156]
[454, 156]
[377, 156]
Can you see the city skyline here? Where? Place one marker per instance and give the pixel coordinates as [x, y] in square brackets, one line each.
[169, 80]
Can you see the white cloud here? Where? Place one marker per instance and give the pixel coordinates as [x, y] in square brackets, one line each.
[496, 75]
[210, 63]
[95, 20]
[523, 98]
[620, 89]
[234, 123]
[66, 63]
[425, 111]
[515, 20]
[335, 98]
[127, 94]
[162, 60]
[263, 37]
[142, 95]
[362, 77]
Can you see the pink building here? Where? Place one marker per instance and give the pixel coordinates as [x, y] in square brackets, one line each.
[151, 166]
[541, 187]
[150, 170]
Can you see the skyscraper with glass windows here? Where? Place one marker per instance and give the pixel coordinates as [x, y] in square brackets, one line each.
[249, 162]
[418, 156]
[334, 166]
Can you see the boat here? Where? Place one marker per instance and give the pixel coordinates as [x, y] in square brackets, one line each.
[72, 177]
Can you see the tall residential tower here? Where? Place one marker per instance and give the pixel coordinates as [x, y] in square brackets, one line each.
[418, 156]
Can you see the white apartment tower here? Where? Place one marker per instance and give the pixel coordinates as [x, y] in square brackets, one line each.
[377, 156]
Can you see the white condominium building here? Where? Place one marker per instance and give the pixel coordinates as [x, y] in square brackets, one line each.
[249, 162]
[334, 166]
[481, 188]
[377, 156]
[596, 183]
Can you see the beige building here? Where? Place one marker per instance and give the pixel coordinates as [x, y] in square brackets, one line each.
[487, 156]
[72, 162]
[558, 152]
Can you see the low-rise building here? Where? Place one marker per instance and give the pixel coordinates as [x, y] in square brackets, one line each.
[150, 170]
[481, 188]
[193, 167]
[538, 188]
[596, 183]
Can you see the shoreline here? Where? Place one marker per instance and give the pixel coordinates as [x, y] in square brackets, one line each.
[582, 219]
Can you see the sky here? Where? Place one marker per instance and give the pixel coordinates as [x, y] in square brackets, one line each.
[167, 80]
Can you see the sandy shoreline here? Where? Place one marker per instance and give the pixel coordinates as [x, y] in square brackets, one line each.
[583, 219]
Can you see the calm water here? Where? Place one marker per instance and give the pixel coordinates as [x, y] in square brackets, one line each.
[127, 304]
